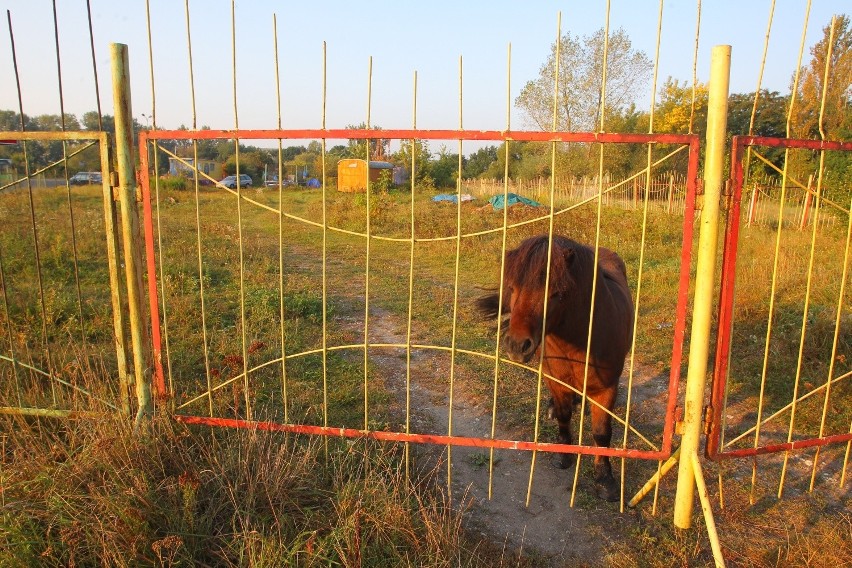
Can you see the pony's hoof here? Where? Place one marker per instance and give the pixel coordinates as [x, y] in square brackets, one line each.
[607, 489]
[563, 461]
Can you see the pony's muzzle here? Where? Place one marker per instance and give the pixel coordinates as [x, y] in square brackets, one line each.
[522, 349]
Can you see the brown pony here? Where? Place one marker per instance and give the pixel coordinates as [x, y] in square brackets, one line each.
[566, 337]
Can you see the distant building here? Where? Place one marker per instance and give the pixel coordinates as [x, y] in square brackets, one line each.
[209, 167]
[352, 174]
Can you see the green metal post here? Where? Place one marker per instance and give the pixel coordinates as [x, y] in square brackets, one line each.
[131, 234]
[702, 311]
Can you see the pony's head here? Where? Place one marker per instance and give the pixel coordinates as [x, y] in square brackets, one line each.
[524, 293]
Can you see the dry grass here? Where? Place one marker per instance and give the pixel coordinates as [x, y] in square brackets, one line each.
[81, 493]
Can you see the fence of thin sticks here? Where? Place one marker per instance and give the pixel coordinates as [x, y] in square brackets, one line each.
[667, 190]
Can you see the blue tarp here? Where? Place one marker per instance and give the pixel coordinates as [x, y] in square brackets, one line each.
[513, 198]
[452, 198]
[313, 182]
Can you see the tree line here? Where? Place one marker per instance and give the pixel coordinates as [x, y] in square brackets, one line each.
[680, 107]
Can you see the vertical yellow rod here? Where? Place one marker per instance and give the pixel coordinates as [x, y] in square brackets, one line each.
[600, 192]
[246, 397]
[284, 395]
[816, 223]
[640, 270]
[695, 65]
[455, 290]
[777, 254]
[132, 239]
[539, 380]
[367, 259]
[410, 285]
[702, 314]
[324, 261]
[164, 314]
[502, 268]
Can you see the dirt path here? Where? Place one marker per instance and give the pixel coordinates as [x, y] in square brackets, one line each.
[549, 526]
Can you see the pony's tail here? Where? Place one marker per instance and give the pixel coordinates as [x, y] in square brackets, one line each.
[488, 305]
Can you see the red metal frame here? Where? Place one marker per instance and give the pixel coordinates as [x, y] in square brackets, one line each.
[679, 329]
[726, 298]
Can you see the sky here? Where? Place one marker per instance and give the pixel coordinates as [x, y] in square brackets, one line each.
[435, 38]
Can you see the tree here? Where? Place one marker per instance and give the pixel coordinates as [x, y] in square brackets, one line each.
[837, 114]
[357, 148]
[444, 170]
[479, 161]
[805, 118]
[675, 109]
[420, 151]
[580, 81]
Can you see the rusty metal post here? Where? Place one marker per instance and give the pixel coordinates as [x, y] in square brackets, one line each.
[702, 314]
[131, 235]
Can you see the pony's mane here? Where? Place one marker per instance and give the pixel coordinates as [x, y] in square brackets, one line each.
[526, 266]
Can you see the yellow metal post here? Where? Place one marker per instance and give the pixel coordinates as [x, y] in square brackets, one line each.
[699, 346]
[131, 235]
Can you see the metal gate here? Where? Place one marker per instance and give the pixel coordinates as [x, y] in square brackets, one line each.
[232, 375]
[62, 311]
[770, 396]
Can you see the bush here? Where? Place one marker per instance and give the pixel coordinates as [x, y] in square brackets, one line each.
[174, 183]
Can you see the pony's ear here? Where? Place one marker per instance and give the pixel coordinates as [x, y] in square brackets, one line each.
[568, 255]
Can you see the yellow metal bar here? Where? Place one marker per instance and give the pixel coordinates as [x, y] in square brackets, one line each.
[324, 260]
[240, 240]
[702, 314]
[695, 65]
[709, 522]
[196, 195]
[132, 239]
[284, 394]
[655, 479]
[10, 332]
[68, 135]
[539, 371]
[791, 180]
[776, 256]
[453, 347]
[602, 111]
[502, 268]
[837, 320]
[50, 412]
[410, 284]
[640, 271]
[71, 220]
[809, 281]
[367, 254]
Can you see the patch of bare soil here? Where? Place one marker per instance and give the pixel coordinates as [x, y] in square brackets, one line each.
[548, 527]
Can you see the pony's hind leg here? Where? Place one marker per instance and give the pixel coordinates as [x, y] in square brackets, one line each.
[560, 407]
[605, 484]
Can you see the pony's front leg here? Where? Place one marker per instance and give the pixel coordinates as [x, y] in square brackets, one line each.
[605, 483]
[561, 406]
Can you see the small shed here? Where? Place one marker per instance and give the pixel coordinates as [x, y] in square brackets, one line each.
[352, 174]
[209, 167]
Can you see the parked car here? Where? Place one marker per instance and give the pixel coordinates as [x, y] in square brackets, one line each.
[231, 181]
[272, 181]
[86, 178]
